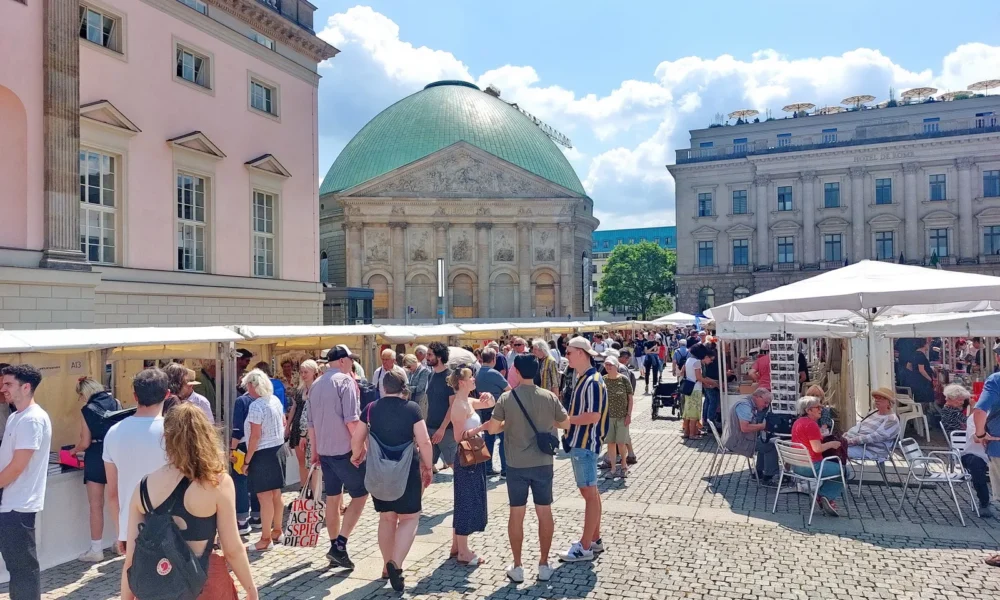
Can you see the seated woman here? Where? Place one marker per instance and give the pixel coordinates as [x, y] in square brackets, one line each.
[828, 420]
[952, 414]
[806, 431]
[875, 435]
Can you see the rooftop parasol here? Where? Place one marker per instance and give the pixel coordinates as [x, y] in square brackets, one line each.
[857, 101]
[985, 85]
[920, 92]
[797, 106]
[948, 96]
[882, 104]
[829, 110]
[743, 113]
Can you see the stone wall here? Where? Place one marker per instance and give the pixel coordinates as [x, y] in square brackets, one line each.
[46, 299]
[142, 310]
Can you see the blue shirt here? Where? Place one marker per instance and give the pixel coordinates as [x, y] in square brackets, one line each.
[680, 354]
[989, 401]
[490, 380]
[501, 364]
[240, 410]
[279, 393]
[590, 395]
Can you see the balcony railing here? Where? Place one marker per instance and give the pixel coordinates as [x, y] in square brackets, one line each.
[785, 266]
[740, 268]
[861, 135]
[990, 259]
[708, 269]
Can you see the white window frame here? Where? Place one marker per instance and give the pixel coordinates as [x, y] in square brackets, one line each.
[262, 39]
[192, 225]
[105, 211]
[777, 249]
[116, 42]
[260, 238]
[208, 65]
[197, 5]
[256, 79]
[875, 244]
[947, 241]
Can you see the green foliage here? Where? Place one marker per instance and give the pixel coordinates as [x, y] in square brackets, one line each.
[639, 276]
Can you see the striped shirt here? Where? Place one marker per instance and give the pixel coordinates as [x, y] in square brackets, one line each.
[548, 374]
[590, 395]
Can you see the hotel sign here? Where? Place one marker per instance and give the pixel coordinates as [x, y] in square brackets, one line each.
[883, 155]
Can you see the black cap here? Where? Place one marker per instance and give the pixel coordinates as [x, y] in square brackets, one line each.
[244, 353]
[338, 352]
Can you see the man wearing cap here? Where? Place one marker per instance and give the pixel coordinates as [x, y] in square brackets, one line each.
[243, 357]
[334, 414]
[760, 372]
[588, 417]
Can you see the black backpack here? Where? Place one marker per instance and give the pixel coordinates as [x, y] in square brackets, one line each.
[369, 392]
[163, 565]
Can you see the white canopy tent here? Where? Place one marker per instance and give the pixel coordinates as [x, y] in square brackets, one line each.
[985, 323]
[751, 330]
[677, 318]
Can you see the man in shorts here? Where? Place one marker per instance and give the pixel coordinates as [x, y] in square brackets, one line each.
[334, 414]
[528, 468]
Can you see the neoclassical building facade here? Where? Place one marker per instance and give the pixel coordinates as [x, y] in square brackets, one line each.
[760, 205]
[455, 173]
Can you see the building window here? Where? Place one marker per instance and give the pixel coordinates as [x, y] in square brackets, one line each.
[991, 184]
[985, 119]
[706, 254]
[668, 241]
[883, 245]
[262, 97]
[263, 40]
[784, 139]
[656, 240]
[642, 239]
[97, 206]
[833, 247]
[620, 241]
[705, 205]
[739, 145]
[937, 187]
[883, 191]
[740, 293]
[785, 198]
[631, 240]
[786, 250]
[198, 5]
[101, 28]
[191, 222]
[193, 67]
[263, 234]
[740, 205]
[706, 299]
[606, 244]
[831, 195]
[830, 136]
[741, 252]
[991, 239]
[939, 242]
[932, 125]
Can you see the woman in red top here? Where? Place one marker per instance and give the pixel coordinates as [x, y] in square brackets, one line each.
[806, 431]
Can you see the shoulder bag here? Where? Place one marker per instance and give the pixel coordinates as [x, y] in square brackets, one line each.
[472, 450]
[547, 443]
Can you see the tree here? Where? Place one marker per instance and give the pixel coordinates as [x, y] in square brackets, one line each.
[639, 276]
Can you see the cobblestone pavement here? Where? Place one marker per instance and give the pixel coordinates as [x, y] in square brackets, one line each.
[668, 536]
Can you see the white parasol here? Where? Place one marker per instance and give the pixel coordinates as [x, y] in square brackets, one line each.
[948, 96]
[830, 110]
[985, 85]
[744, 113]
[797, 106]
[919, 92]
[857, 101]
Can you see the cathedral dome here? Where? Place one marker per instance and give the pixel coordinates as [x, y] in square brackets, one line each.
[441, 114]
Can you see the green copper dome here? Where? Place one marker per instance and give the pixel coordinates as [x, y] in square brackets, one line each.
[436, 117]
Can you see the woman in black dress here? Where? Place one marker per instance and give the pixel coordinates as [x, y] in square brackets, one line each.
[395, 422]
[96, 402]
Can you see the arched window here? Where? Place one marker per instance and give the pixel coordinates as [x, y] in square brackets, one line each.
[380, 304]
[461, 297]
[545, 296]
[421, 292]
[740, 293]
[324, 268]
[706, 298]
[504, 296]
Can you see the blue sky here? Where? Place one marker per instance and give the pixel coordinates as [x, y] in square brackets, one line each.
[626, 80]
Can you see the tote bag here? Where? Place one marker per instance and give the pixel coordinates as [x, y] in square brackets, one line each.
[306, 515]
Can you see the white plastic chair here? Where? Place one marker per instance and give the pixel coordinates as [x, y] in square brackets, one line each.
[793, 454]
[880, 464]
[721, 452]
[907, 410]
[919, 468]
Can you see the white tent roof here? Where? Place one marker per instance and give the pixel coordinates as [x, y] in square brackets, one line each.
[404, 334]
[56, 340]
[10, 343]
[677, 318]
[755, 330]
[944, 325]
[894, 288]
[260, 332]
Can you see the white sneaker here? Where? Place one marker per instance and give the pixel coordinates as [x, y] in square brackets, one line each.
[92, 556]
[597, 546]
[515, 574]
[576, 553]
[545, 572]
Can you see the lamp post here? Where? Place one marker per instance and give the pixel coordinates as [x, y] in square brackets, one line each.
[441, 288]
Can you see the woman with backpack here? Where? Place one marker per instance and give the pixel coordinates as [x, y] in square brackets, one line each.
[97, 402]
[191, 499]
[396, 426]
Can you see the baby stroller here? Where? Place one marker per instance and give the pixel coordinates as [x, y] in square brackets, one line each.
[666, 395]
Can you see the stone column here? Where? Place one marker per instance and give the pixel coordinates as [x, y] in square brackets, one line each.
[566, 281]
[807, 183]
[441, 251]
[354, 255]
[966, 228]
[762, 209]
[61, 136]
[858, 212]
[398, 258]
[910, 210]
[483, 267]
[524, 267]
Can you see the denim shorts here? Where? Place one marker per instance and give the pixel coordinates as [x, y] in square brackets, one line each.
[584, 467]
[536, 479]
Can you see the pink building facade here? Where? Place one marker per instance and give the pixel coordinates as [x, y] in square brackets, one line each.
[160, 163]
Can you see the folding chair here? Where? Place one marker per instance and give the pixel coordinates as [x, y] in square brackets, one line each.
[719, 457]
[878, 464]
[793, 454]
[919, 469]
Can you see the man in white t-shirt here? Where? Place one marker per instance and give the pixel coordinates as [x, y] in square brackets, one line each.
[134, 448]
[24, 463]
[388, 357]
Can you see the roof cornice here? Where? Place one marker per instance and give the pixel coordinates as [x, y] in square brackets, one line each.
[277, 27]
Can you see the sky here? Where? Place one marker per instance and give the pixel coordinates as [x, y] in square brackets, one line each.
[627, 80]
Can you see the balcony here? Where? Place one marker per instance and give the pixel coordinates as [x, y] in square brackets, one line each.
[786, 266]
[708, 270]
[831, 264]
[740, 268]
[300, 13]
[990, 259]
[861, 135]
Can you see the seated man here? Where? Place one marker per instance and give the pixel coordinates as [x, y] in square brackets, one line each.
[746, 433]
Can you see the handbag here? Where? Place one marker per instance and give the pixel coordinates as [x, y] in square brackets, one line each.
[547, 443]
[305, 516]
[472, 451]
[687, 387]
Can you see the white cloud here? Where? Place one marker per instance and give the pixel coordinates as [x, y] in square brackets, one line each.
[624, 139]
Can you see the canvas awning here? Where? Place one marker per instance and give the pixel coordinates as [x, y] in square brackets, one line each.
[677, 318]
[985, 323]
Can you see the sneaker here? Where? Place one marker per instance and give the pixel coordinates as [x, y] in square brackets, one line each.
[576, 553]
[984, 512]
[631, 459]
[545, 572]
[254, 523]
[340, 558]
[244, 527]
[492, 472]
[598, 546]
[515, 574]
[829, 506]
[92, 556]
[503, 474]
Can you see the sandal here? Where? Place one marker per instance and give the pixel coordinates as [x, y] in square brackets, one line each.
[993, 561]
[395, 576]
[475, 561]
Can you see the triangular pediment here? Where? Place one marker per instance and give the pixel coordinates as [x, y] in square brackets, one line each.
[785, 225]
[268, 164]
[198, 142]
[940, 216]
[705, 233]
[460, 171]
[885, 221]
[740, 229]
[105, 113]
[833, 223]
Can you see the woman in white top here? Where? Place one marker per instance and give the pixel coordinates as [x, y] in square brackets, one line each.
[264, 436]
[297, 424]
[691, 414]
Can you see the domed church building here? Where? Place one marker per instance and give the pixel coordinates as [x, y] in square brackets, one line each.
[456, 173]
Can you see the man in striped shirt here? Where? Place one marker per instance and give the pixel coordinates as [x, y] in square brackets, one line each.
[588, 418]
